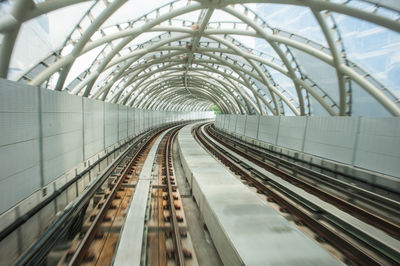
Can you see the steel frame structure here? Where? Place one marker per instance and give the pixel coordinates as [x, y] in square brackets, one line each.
[192, 65]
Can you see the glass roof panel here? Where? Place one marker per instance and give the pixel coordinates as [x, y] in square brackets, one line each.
[321, 73]
[82, 63]
[44, 34]
[395, 4]
[364, 104]
[295, 19]
[284, 82]
[262, 87]
[263, 46]
[288, 111]
[316, 108]
[222, 16]
[36, 33]
[372, 47]
[132, 10]
[191, 16]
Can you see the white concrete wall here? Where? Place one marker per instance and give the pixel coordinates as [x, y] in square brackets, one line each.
[251, 129]
[291, 132]
[240, 124]
[225, 123]
[122, 122]
[364, 142]
[19, 143]
[62, 133]
[332, 138]
[93, 121]
[218, 120]
[378, 145]
[111, 124]
[268, 129]
[131, 121]
[232, 123]
[138, 121]
[45, 133]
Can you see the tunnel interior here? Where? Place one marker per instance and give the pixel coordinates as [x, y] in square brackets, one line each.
[202, 106]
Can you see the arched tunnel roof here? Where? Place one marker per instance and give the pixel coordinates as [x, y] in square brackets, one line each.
[264, 57]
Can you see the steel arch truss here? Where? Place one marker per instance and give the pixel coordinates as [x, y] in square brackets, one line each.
[190, 65]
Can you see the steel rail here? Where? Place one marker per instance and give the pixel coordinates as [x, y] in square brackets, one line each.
[37, 253]
[352, 252]
[371, 218]
[282, 158]
[378, 201]
[24, 218]
[178, 251]
[84, 245]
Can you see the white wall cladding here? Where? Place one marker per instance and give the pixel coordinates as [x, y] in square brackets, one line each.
[226, 119]
[232, 122]
[365, 142]
[251, 126]
[240, 124]
[218, 120]
[62, 133]
[145, 118]
[72, 130]
[138, 121]
[122, 122]
[131, 121]
[110, 124]
[291, 132]
[268, 128]
[332, 138]
[156, 118]
[19, 143]
[378, 145]
[93, 120]
[163, 118]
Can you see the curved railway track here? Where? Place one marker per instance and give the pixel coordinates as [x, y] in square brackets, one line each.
[180, 254]
[100, 211]
[38, 253]
[358, 249]
[82, 251]
[340, 194]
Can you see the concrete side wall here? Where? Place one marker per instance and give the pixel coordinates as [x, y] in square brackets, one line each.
[332, 138]
[110, 124]
[62, 133]
[291, 132]
[131, 121]
[19, 142]
[378, 145]
[232, 123]
[251, 129]
[46, 133]
[93, 124]
[363, 142]
[123, 122]
[240, 124]
[268, 129]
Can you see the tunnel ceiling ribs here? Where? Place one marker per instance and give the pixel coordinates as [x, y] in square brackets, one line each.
[190, 65]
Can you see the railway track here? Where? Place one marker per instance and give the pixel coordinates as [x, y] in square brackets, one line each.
[347, 197]
[103, 206]
[357, 248]
[101, 212]
[337, 183]
[114, 196]
[179, 253]
[369, 207]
